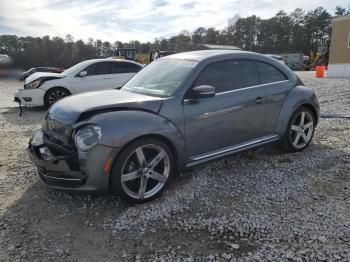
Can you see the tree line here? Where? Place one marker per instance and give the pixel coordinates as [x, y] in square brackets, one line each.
[299, 31]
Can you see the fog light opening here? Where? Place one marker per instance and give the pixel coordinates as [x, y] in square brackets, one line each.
[27, 99]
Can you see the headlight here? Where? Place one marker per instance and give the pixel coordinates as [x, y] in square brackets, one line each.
[87, 137]
[37, 139]
[33, 85]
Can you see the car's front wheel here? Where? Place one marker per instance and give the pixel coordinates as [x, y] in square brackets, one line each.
[300, 130]
[54, 94]
[142, 170]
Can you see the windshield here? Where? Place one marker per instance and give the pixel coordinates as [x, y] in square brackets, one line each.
[76, 67]
[160, 78]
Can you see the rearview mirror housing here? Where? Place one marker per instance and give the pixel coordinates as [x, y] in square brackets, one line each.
[203, 91]
[82, 73]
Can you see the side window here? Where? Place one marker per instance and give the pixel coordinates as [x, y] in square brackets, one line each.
[124, 67]
[101, 68]
[229, 75]
[132, 68]
[269, 74]
[117, 68]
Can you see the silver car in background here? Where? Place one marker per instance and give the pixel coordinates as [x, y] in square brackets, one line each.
[177, 112]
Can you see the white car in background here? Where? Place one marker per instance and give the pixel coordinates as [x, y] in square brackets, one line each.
[44, 89]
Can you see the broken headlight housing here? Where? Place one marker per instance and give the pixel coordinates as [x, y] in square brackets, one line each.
[33, 85]
[37, 139]
[87, 137]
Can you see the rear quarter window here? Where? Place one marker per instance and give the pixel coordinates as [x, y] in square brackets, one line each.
[125, 67]
[269, 74]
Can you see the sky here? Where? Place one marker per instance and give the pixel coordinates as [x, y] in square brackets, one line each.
[143, 20]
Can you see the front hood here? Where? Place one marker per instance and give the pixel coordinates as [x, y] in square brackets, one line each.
[69, 109]
[38, 75]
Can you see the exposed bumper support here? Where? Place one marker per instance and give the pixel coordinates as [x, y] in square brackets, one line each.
[77, 171]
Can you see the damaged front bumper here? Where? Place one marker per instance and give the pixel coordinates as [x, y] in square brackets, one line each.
[64, 168]
[31, 97]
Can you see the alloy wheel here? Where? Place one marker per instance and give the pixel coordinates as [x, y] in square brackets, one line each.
[56, 95]
[145, 171]
[302, 129]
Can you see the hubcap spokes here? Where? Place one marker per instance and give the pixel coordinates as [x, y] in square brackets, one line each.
[301, 130]
[56, 95]
[145, 171]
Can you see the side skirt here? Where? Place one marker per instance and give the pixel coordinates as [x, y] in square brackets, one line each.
[230, 150]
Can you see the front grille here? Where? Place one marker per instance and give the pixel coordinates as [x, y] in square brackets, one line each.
[66, 153]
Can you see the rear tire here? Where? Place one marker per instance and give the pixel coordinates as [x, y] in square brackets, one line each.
[54, 94]
[300, 130]
[142, 170]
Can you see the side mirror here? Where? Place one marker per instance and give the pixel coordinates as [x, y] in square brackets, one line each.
[203, 91]
[82, 73]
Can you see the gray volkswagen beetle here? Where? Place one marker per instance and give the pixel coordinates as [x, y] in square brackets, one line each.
[177, 112]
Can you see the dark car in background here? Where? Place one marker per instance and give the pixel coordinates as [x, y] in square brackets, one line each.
[177, 112]
[41, 69]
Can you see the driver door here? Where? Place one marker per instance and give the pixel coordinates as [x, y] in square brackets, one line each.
[235, 115]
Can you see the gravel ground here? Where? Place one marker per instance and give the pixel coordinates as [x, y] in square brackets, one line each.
[260, 205]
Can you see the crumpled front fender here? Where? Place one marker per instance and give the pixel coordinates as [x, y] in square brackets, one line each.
[121, 127]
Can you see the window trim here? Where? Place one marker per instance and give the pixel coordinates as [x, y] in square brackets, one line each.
[99, 62]
[249, 87]
[111, 65]
[126, 62]
[348, 46]
[243, 88]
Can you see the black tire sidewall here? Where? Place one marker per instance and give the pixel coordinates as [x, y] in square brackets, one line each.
[115, 174]
[287, 141]
[48, 92]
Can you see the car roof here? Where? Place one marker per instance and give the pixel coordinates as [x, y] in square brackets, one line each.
[110, 59]
[209, 56]
[205, 54]
[205, 57]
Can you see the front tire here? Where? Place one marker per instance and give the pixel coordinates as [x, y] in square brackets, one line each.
[300, 130]
[54, 94]
[142, 170]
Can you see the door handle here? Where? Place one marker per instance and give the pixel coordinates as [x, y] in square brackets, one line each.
[259, 100]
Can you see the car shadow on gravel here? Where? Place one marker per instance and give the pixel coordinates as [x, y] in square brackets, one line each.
[54, 225]
[30, 115]
[59, 226]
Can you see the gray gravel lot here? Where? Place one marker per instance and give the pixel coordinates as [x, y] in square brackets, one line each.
[260, 205]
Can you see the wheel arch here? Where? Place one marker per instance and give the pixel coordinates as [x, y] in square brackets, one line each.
[54, 87]
[313, 110]
[62, 87]
[162, 138]
[299, 96]
[120, 128]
